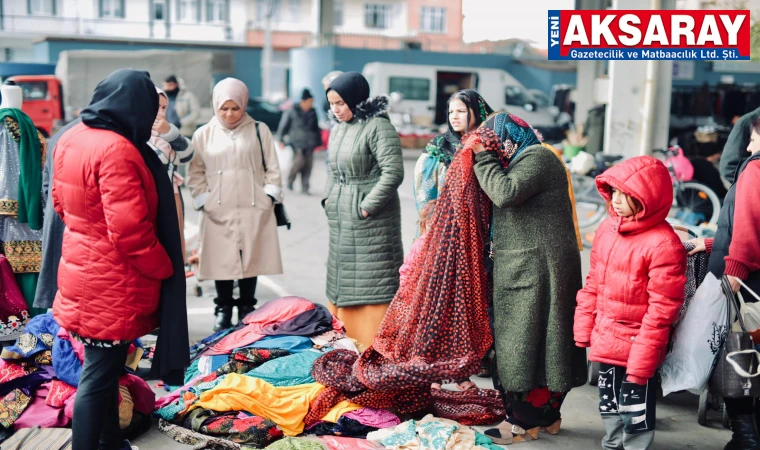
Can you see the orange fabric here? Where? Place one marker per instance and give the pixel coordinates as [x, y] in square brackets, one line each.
[361, 322]
[572, 195]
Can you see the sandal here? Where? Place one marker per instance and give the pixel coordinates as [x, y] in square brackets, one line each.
[505, 433]
[552, 429]
[466, 385]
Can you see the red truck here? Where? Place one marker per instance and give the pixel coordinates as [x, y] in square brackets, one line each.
[43, 101]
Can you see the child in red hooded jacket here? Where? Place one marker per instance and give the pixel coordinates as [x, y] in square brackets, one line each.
[633, 294]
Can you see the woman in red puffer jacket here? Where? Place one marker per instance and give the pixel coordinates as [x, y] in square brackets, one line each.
[633, 294]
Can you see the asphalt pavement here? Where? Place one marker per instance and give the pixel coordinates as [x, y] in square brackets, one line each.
[304, 252]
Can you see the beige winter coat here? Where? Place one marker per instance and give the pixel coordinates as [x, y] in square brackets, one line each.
[238, 230]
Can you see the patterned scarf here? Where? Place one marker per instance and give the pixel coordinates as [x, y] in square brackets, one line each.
[30, 161]
[515, 133]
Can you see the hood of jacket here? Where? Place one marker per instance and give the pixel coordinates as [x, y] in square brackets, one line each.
[372, 107]
[645, 179]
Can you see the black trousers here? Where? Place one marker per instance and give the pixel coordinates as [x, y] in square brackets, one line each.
[303, 160]
[247, 287]
[95, 424]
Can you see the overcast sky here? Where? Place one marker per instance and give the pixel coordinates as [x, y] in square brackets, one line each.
[506, 19]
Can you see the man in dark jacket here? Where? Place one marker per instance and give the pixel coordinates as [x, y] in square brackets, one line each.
[736, 146]
[299, 128]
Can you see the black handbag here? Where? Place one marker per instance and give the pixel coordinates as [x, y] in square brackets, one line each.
[279, 209]
[736, 368]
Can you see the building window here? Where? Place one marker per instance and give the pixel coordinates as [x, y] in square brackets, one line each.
[410, 88]
[433, 20]
[159, 10]
[338, 14]
[294, 7]
[112, 9]
[41, 7]
[262, 8]
[188, 10]
[216, 11]
[378, 16]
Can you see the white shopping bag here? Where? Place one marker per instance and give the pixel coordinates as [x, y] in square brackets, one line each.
[697, 340]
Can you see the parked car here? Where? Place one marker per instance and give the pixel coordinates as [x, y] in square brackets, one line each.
[264, 111]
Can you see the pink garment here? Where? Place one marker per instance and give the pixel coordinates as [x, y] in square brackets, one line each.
[59, 393]
[171, 397]
[343, 443]
[76, 345]
[40, 414]
[270, 314]
[230, 89]
[376, 418]
[143, 397]
[410, 257]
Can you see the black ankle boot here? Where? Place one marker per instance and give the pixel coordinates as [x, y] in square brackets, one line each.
[223, 315]
[243, 309]
[745, 435]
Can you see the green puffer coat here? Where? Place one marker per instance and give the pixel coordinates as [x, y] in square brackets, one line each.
[537, 271]
[366, 169]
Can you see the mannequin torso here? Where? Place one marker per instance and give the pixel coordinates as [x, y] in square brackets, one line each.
[11, 97]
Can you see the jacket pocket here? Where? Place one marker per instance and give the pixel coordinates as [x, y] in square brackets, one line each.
[516, 269]
[626, 331]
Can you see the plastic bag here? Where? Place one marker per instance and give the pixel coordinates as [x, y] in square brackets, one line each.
[750, 311]
[697, 340]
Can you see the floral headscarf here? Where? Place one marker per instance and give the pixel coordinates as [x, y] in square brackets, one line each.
[515, 133]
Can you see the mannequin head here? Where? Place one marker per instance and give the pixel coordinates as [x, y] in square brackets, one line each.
[11, 96]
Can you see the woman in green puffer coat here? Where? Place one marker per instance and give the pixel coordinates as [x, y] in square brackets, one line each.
[362, 206]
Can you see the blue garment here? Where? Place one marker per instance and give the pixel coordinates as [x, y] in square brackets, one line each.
[40, 334]
[289, 370]
[293, 344]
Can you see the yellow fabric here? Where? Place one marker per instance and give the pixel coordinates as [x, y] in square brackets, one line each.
[572, 195]
[338, 410]
[286, 406]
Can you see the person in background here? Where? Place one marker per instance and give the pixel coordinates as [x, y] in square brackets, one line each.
[735, 252]
[121, 258]
[173, 150]
[735, 149]
[238, 228]
[183, 109]
[363, 208]
[633, 294]
[299, 129]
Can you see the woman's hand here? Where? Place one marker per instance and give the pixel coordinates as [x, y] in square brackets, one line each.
[365, 214]
[477, 148]
[161, 125]
[735, 286]
[699, 245]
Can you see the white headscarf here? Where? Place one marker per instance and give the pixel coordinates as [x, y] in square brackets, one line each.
[230, 89]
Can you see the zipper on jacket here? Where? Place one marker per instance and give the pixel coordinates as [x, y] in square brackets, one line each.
[341, 183]
[219, 200]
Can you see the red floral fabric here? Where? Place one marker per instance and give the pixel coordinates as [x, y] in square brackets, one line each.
[59, 393]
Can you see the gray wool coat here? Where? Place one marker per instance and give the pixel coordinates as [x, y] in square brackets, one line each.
[52, 232]
[366, 169]
[537, 271]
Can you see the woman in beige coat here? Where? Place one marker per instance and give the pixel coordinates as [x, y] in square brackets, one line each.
[238, 230]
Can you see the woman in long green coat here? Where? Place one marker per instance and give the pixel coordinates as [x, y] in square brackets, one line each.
[536, 275]
[362, 206]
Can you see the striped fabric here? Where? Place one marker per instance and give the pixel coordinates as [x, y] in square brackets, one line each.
[39, 439]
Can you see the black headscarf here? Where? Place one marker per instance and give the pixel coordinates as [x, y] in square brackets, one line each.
[443, 146]
[352, 87]
[126, 102]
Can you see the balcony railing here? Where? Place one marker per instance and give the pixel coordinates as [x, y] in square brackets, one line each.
[114, 27]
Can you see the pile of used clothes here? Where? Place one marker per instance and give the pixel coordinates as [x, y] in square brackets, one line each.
[260, 385]
[39, 376]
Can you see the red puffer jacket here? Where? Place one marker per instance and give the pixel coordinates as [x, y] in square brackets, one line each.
[635, 288]
[112, 265]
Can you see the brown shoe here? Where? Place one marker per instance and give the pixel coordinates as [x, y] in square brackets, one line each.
[552, 429]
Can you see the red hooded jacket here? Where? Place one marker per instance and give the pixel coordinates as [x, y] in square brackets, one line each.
[111, 268]
[635, 288]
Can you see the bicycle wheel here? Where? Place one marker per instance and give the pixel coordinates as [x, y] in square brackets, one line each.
[590, 207]
[696, 204]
